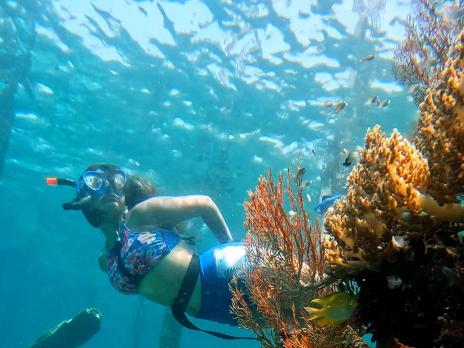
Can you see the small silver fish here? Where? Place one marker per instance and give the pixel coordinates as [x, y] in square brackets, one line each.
[292, 216]
[350, 156]
[340, 106]
[327, 104]
[372, 100]
[348, 161]
[141, 9]
[367, 58]
[299, 174]
[383, 104]
[304, 184]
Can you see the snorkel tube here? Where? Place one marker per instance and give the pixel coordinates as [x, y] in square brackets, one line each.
[60, 181]
[75, 204]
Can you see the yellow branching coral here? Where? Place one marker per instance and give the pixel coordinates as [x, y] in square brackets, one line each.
[440, 130]
[382, 188]
[386, 192]
[430, 32]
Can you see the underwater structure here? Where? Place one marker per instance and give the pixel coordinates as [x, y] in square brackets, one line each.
[73, 332]
[395, 242]
[398, 232]
[18, 38]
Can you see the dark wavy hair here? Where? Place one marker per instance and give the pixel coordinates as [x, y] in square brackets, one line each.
[136, 190]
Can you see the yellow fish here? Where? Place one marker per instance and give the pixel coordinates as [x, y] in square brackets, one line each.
[334, 309]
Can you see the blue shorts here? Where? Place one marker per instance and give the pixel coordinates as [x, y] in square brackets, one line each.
[217, 267]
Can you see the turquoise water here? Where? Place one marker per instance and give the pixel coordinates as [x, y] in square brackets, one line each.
[201, 97]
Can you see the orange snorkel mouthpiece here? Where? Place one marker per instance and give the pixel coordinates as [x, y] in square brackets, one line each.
[51, 181]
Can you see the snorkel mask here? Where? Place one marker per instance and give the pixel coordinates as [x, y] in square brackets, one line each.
[100, 183]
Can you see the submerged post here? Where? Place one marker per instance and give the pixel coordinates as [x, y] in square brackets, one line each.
[6, 122]
[171, 332]
[72, 332]
[17, 31]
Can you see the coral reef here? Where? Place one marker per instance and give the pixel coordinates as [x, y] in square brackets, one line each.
[383, 187]
[400, 246]
[429, 34]
[395, 241]
[396, 233]
[440, 130]
[287, 264]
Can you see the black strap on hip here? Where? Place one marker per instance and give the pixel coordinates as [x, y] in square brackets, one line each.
[183, 297]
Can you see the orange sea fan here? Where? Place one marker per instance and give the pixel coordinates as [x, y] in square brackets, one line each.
[287, 235]
[287, 268]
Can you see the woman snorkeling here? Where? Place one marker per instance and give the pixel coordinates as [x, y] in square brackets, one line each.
[144, 254]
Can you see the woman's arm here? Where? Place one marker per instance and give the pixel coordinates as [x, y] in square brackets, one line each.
[169, 211]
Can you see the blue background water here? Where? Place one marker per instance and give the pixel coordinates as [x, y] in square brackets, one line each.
[202, 100]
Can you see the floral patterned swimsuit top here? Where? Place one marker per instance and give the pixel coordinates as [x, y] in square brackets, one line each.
[134, 254]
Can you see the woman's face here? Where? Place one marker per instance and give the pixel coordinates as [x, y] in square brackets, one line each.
[105, 192]
[112, 207]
